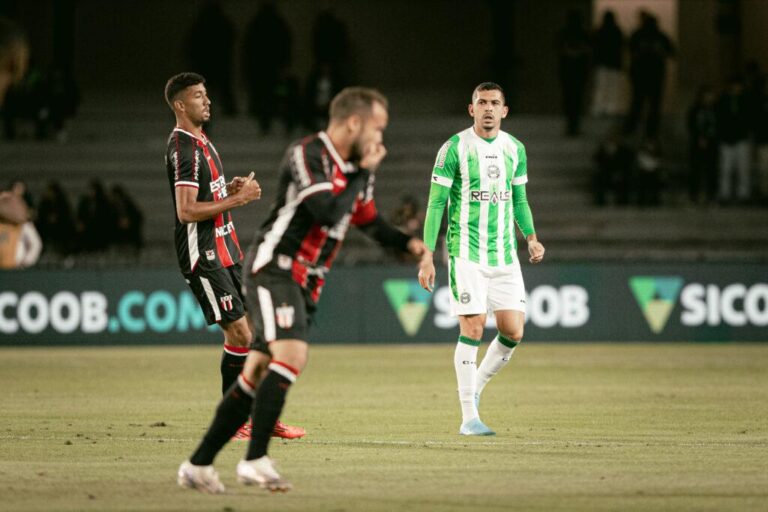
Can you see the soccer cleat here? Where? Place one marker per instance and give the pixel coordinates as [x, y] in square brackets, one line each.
[287, 431]
[280, 430]
[262, 472]
[243, 433]
[475, 427]
[203, 478]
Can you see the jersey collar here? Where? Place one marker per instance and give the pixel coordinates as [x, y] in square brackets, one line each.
[204, 139]
[346, 167]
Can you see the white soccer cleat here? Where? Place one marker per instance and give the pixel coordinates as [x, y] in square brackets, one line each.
[261, 472]
[475, 427]
[203, 478]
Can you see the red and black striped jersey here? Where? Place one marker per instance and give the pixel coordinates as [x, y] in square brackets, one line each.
[318, 196]
[210, 244]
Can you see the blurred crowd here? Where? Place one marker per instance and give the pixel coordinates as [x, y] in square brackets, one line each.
[104, 220]
[727, 151]
[273, 89]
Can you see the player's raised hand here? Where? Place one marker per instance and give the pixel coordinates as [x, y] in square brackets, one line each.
[250, 190]
[536, 251]
[427, 271]
[373, 154]
[234, 186]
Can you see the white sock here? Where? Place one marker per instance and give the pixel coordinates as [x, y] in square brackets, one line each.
[465, 363]
[496, 358]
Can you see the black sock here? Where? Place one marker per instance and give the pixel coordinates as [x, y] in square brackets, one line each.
[267, 407]
[232, 361]
[232, 412]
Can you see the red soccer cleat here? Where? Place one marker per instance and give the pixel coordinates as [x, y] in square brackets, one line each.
[287, 431]
[280, 430]
[244, 432]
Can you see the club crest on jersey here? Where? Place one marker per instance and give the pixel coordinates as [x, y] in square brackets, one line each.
[465, 298]
[494, 172]
[226, 302]
[284, 316]
[210, 255]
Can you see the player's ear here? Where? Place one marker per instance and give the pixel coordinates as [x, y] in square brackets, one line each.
[354, 122]
[178, 105]
[504, 112]
[471, 110]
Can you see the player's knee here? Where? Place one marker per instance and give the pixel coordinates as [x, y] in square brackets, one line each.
[473, 331]
[238, 334]
[515, 334]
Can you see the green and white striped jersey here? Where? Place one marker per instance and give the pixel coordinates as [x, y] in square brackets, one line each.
[484, 182]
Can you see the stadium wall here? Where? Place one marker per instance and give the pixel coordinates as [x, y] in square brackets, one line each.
[566, 302]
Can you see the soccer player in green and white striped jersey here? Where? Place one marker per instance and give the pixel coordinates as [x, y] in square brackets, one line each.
[481, 174]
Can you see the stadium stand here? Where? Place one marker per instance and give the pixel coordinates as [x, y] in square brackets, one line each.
[124, 142]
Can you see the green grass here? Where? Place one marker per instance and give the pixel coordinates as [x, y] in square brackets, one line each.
[581, 427]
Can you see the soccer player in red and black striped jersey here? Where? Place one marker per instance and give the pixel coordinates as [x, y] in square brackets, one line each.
[326, 184]
[206, 242]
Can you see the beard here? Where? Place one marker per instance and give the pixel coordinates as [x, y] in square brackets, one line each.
[356, 151]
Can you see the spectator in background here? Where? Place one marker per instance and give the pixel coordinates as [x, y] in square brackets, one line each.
[323, 84]
[615, 160]
[55, 221]
[210, 46]
[330, 40]
[703, 146]
[733, 122]
[649, 49]
[288, 100]
[266, 54]
[574, 55]
[408, 217]
[95, 219]
[648, 175]
[14, 55]
[20, 244]
[761, 143]
[19, 188]
[608, 47]
[128, 220]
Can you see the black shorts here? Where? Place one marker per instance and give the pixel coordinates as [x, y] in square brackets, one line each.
[278, 308]
[219, 292]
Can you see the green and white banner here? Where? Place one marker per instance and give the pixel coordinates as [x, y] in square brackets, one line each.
[594, 302]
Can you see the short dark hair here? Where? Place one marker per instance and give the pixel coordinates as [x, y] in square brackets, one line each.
[178, 83]
[488, 86]
[356, 100]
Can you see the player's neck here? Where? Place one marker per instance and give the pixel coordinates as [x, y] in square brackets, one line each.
[486, 134]
[340, 141]
[189, 126]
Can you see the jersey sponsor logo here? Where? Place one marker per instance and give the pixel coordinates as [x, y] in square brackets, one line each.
[494, 172]
[494, 197]
[226, 302]
[465, 298]
[219, 185]
[284, 315]
[443, 154]
[224, 230]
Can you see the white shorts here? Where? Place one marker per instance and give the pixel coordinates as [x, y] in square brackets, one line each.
[479, 289]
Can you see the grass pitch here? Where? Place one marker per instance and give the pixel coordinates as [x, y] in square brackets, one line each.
[580, 427]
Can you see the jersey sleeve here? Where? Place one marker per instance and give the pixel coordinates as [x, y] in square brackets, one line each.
[443, 173]
[315, 190]
[185, 160]
[522, 210]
